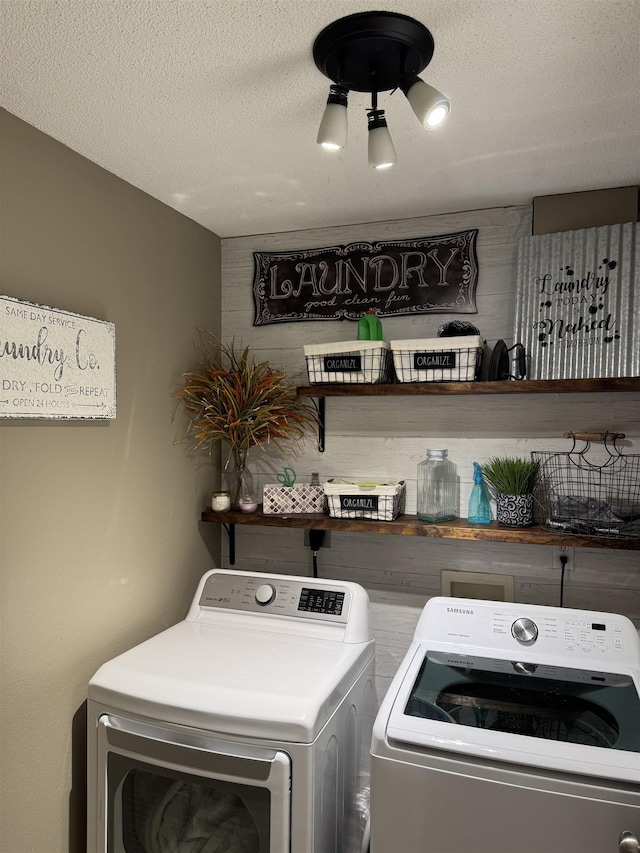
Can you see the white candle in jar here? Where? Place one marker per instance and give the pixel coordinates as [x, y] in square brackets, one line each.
[220, 501]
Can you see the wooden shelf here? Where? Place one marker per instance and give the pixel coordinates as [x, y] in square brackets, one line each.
[408, 525]
[523, 386]
[408, 389]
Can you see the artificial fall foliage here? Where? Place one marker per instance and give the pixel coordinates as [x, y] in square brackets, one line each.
[233, 398]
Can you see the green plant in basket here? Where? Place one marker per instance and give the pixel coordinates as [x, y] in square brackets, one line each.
[510, 475]
[230, 397]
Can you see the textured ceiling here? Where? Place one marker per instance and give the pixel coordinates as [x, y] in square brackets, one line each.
[212, 106]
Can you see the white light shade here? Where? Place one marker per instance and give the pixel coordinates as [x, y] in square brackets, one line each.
[382, 154]
[333, 127]
[430, 106]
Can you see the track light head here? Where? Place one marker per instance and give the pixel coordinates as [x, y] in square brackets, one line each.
[332, 133]
[430, 106]
[381, 152]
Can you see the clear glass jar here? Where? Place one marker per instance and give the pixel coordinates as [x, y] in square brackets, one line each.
[437, 488]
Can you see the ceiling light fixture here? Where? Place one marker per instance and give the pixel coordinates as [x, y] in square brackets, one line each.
[376, 52]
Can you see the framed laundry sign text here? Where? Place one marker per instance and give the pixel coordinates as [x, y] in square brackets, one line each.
[54, 364]
[420, 276]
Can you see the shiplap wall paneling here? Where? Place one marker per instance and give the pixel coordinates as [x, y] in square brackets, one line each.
[499, 230]
[387, 437]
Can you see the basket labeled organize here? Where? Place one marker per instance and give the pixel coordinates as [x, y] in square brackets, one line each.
[356, 362]
[375, 501]
[579, 493]
[457, 359]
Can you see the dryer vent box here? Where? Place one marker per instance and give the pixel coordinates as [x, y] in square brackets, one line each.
[482, 585]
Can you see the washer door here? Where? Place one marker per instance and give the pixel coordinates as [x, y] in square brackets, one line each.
[163, 789]
[523, 712]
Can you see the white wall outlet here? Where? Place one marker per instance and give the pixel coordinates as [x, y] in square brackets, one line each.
[561, 551]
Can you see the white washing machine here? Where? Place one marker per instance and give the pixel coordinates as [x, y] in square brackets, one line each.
[245, 728]
[510, 727]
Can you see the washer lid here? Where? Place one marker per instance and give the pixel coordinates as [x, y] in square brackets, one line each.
[232, 680]
[532, 713]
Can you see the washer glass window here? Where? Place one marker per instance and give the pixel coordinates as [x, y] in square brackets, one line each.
[523, 698]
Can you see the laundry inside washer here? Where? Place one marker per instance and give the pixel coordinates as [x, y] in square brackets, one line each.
[555, 703]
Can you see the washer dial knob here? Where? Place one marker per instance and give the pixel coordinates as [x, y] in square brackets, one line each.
[525, 631]
[265, 594]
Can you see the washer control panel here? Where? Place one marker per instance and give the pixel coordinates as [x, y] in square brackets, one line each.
[507, 628]
[296, 597]
[575, 635]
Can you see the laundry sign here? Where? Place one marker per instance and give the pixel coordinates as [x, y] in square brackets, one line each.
[577, 307]
[420, 276]
[54, 364]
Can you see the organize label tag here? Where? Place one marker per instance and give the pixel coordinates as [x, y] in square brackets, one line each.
[360, 502]
[342, 363]
[434, 360]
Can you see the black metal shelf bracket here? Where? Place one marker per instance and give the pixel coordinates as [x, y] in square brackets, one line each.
[231, 533]
[320, 406]
[322, 414]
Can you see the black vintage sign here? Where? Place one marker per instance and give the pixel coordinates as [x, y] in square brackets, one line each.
[425, 275]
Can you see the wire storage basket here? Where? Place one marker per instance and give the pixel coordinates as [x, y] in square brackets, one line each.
[456, 359]
[590, 497]
[349, 362]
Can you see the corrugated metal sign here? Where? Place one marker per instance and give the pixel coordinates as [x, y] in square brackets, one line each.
[578, 303]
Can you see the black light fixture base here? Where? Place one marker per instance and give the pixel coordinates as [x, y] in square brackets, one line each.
[373, 51]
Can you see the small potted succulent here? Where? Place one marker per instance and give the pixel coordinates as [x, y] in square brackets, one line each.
[230, 397]
[513, 480]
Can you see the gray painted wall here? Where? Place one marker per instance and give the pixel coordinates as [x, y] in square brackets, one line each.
[100, 546]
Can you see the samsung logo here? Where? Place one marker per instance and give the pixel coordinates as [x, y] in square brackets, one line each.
[460, 610]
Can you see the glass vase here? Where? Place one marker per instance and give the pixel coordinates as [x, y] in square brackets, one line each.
[437, 488]
[241, 487]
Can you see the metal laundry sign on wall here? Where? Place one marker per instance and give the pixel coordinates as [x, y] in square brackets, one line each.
[54, 364]
[577, 309]
[425, 275]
